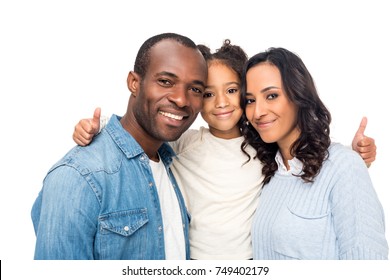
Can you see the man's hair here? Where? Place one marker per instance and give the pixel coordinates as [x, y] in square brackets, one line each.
[143, 57]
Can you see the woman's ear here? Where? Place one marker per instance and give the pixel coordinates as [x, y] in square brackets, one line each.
[133, 82]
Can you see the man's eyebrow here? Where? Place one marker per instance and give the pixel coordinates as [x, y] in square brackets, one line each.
[166, 73]
[199, 83]
[170, 74]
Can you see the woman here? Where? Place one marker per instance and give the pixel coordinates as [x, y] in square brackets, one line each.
[317, 201]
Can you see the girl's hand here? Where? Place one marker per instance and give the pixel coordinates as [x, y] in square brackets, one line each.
[86, 129]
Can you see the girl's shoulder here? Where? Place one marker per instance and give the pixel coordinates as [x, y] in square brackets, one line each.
[189, 139]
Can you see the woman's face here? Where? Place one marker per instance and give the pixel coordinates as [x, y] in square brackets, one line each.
[221, 101]
[268, 108]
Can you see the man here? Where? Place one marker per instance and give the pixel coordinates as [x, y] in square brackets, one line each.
[117, 198]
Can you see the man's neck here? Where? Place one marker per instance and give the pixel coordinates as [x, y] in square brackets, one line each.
[149, 144]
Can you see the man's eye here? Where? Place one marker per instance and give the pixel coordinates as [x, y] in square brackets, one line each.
[164, 82]
[197, 91]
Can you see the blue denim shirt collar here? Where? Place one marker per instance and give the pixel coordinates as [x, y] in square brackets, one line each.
[129, 146]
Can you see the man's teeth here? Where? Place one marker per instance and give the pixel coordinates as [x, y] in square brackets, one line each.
[172, 116]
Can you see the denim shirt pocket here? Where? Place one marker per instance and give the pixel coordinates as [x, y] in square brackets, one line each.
[124, 223]
[121, 234]
[300, 235]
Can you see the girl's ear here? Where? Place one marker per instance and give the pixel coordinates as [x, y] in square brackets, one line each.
[133, 82]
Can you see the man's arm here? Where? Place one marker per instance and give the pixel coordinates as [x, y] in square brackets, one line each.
[65, 217]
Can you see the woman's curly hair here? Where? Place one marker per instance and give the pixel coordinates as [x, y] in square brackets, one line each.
[313, 118]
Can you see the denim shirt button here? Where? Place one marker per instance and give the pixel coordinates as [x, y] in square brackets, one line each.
[150, 184]
[160, 228]
[126, 228]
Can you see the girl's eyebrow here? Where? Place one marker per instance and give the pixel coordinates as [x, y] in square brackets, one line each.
[225, 84]
[231, 83]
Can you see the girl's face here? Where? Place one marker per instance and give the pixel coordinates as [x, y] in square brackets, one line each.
[221, 101]
[268, 108]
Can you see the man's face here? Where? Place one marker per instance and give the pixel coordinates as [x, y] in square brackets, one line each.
[170, 95]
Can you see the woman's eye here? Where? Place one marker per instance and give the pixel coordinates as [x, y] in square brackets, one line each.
[272, 96]
[249, 101]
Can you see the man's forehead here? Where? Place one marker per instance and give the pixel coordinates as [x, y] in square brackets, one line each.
[169, 47]
[173, 57]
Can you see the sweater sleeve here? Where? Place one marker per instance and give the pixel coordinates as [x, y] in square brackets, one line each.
[356, 210]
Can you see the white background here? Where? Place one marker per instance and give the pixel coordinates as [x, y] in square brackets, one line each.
[61, 59]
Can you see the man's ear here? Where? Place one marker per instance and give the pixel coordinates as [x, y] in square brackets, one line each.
[133, 82]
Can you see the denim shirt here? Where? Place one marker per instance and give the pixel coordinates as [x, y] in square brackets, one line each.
[101, 202]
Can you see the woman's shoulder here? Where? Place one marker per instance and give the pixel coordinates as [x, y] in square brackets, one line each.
[339, 153]
[337, 149]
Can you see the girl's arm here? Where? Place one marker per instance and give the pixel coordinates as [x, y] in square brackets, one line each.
[86, 129]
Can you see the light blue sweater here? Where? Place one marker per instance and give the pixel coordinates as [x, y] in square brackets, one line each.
[338, 216]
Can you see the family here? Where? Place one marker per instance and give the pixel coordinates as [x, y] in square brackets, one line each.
[263, 181]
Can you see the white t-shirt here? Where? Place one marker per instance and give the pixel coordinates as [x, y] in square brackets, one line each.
[171, 215]
[221, 193]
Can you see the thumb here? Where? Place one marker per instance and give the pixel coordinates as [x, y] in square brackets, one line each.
[362, 128]
[96, 119]
[359, 135]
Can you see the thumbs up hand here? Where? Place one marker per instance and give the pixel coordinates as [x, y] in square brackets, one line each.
[363, 144]
[86, 129]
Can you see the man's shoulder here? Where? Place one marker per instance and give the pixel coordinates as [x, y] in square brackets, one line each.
[101, 155]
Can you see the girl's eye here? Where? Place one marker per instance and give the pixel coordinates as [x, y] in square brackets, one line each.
[207, 95]
[272, 96]
[250, 101]
[232, 90]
